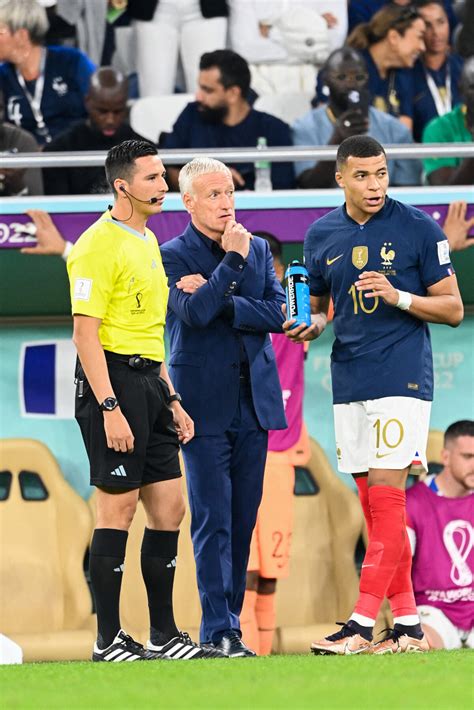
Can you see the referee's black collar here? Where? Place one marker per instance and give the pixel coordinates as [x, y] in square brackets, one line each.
[381, 214]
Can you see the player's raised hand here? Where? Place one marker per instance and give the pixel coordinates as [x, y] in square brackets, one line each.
[373, 284]
[49, 240]
[456, 226]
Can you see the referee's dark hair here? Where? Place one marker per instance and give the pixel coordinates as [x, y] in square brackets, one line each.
[120, 160]
[358, 147]
[464, 427]
[233, 68]
[274, 243]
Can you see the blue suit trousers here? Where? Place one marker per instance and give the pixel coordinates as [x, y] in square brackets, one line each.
[225, 479]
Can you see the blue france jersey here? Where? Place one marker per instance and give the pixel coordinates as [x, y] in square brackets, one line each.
[66, 81]
[379, 350]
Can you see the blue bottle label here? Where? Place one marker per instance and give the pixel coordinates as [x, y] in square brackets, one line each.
[297, 296]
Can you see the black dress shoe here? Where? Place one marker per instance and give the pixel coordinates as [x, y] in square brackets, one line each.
[232, 646]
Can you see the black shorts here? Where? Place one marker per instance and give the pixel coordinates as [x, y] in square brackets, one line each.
[142, 396]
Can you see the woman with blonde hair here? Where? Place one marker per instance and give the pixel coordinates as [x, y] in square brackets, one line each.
[390, 43]
[44, 87]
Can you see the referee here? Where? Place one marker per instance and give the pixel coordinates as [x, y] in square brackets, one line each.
[130, 416]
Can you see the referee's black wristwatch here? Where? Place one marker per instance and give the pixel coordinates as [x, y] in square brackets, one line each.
[109, 404]
[176, 397]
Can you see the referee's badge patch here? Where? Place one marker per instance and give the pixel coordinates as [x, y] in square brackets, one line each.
[443, 252]
[360, 256]
[82, 289]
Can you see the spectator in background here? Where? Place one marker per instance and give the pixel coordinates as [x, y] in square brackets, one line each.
[106, 126]
[391, 43]
[284, 42]
[440, 521]
[168, 29]
[348, 114]
[457, 126]
[363, 10]
[17, 181]
[436, 74]
[44, 87]
[221, 117]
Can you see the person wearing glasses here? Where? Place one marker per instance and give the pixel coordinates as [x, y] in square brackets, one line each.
[348, 113]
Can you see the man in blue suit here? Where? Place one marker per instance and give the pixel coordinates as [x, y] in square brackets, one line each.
[224, 300]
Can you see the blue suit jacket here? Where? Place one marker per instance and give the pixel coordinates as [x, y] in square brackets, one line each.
[205, 347]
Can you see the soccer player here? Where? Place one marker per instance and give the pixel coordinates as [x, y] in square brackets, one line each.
[440, 519]
[387, 267]
[271, 540]
[129, 414]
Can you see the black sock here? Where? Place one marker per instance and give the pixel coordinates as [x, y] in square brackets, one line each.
[158, 560]
[415, 631]
[106, 558]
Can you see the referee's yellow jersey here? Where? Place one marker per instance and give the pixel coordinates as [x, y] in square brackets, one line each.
[116, 274]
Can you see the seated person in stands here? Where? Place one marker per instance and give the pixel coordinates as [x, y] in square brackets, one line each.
[44, 87]
[221, 117]
[440, 520]
[348, 114]
[106, 125]
[17, 181]
[457, 126]
[390, 44]
[363, 10]
[437, 72]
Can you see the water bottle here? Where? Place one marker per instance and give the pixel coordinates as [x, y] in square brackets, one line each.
[297, 294]
[263, 175]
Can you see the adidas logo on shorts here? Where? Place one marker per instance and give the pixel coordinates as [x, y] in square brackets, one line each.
[119, 471]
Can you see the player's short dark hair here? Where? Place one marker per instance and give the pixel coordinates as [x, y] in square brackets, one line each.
[358, 147]
[233, 68]
[120, 160]
[274, 243]
[464, 427]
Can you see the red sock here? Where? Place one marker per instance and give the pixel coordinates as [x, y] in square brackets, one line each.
[385, 548]
[363, 488]
[400, 591]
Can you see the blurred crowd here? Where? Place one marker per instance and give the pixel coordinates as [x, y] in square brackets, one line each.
[323, 70]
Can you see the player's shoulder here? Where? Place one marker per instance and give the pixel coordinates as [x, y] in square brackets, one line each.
[325, 225]
[402, 210]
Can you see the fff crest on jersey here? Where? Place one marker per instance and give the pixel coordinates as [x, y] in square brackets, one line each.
[360, 256]
[387, 254]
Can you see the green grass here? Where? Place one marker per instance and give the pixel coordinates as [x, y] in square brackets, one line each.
[435, 680]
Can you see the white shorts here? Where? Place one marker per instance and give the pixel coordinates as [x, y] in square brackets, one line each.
[451, 636]
[390, 432]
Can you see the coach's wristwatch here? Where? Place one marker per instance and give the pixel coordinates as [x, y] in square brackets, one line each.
[109, 404]
[176, 397]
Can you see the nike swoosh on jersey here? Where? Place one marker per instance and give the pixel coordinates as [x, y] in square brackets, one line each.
[382, 456]
[331, 261]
